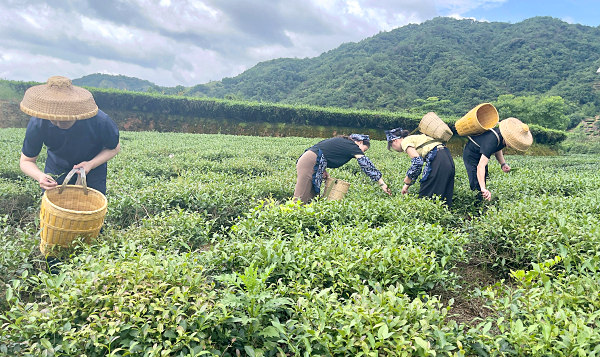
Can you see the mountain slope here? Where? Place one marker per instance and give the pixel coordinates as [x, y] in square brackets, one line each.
[99, 80]
[464, 61]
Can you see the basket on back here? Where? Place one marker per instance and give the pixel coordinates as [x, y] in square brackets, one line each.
[68, 212]
[478, 120]
[335, 189]
[431, 125]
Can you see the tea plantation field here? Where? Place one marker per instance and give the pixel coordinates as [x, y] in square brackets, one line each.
[203, 254]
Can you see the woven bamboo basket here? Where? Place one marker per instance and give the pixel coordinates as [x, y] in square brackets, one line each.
[335, 189]
[478, 120]
[431, 125]
[68, 212]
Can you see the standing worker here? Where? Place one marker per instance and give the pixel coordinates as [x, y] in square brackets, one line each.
[333, 153]
[66, 119]
[511, 133]
[438, 176]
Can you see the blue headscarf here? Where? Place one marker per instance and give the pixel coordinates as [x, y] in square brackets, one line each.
[359, 137]
[393, 134]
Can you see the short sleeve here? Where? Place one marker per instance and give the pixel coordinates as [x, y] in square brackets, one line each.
[490, 145]
[34, 138]
[408, 142]
[108, 131]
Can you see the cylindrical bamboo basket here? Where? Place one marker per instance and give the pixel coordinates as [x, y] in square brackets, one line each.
[478, 120]
[431, 125]
[67, 215]
[335, 189]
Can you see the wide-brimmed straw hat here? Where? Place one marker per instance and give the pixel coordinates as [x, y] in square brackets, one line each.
[59, 100]
[516, 134]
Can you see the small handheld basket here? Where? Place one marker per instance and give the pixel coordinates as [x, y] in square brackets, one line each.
[70, 211]
[335, 189]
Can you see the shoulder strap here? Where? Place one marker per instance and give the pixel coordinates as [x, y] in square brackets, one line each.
[492, 130]
[495, 133]
[473, 141]
[427, 143]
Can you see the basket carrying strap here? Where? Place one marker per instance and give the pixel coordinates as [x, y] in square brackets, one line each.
[80, 180]
[492, 130]
[328, 188]
[427, 143]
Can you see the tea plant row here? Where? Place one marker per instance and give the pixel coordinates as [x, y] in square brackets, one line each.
[204, 254]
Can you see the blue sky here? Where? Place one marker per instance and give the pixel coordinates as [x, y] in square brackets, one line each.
[585, 12]
[189, 42]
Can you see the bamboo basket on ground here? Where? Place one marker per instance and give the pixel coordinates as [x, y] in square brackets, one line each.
[478, 120]
[431, 125]
[335, 189]
[70, 211]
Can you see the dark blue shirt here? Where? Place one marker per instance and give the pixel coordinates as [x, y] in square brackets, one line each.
[69, 147]
[488, 143]
[337, 151]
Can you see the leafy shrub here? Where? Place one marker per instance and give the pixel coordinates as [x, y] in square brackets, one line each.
[544, 314]
[141, 303]
[376, 322]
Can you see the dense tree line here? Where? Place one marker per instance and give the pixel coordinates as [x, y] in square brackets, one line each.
[463, 62]
[541, 70]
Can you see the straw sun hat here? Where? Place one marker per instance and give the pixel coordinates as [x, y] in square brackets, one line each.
[516, 134]
[59, 100]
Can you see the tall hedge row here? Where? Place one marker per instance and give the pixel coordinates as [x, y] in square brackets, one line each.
[192, 108]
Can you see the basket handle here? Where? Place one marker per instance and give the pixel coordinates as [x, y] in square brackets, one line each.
[81, 180]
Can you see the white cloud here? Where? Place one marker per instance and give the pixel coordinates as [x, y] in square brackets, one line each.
[188, 42]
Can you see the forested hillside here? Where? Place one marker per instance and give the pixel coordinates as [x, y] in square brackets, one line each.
[462, 61]
[116, 82]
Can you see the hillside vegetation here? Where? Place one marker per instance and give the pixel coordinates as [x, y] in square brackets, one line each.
[444, 65]
[463, 61]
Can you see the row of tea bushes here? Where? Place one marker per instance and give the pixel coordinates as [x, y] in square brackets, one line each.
[204, 254]
[143, 292]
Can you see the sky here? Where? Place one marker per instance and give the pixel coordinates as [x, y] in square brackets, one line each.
[189, 42]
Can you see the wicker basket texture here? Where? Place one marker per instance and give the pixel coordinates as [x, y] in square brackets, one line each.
[431, 125]
[478, 120]
[335, 189]
[67, 215]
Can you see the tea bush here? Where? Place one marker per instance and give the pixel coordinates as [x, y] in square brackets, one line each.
[546, 313]
[536, 230]
[204, 253]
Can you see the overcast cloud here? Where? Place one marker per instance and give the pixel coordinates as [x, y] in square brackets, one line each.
[188, 42]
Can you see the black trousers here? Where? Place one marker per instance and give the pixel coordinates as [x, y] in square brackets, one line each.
[440, 181]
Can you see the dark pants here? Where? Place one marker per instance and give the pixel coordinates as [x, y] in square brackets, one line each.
[440, 181]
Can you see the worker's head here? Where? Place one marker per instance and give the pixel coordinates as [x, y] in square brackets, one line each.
[59, 101]
[363, 141]
[516, 134]
[394, 138]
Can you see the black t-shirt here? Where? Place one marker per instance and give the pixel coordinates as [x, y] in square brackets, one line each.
[488, 143]
[337, 151]
[69, 147]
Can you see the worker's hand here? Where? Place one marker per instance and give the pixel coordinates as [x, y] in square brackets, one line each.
[87, 166]
[486, 194]
[47, 182]
[386, 189]
[506, 168]
[325, 175]
[405, 189]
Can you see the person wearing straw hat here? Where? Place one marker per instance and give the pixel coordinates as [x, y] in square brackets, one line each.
[438, 175]
[511, 133]
[76, 133]
[333, 153]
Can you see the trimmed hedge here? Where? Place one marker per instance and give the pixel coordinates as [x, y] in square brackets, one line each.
[118, 101]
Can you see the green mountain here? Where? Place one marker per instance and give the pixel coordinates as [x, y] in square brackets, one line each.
[463, 61]
[99, 80]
